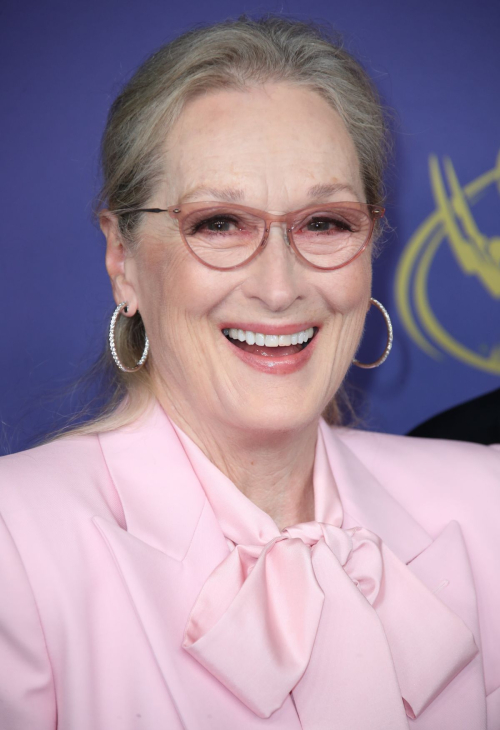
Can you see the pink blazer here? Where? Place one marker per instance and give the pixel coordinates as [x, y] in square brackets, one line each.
[106, 541]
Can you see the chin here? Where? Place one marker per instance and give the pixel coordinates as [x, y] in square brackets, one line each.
[276, 416]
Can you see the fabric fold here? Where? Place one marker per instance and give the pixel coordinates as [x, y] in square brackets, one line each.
[255, 621]
[248, 628]
[328, 614]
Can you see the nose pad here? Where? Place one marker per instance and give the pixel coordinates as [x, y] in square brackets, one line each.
[284, 231]
[274, 279]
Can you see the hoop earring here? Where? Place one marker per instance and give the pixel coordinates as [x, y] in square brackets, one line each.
[390, 337]
[112, 346]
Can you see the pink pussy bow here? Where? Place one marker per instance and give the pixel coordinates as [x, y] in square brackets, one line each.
[330, 615]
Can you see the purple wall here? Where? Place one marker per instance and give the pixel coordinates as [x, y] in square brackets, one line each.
[436, 63]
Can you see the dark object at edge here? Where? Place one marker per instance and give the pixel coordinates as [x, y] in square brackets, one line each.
[476, 420]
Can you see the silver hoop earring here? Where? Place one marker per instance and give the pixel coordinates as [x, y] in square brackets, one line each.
[112, 346]
[390, 337]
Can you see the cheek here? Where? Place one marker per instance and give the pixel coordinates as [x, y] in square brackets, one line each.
[347, 291]
[347, 294]
[176, 293]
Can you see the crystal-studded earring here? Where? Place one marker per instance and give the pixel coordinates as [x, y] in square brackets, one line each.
[390, 337]
[124, 306]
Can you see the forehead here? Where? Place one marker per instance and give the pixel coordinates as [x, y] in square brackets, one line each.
[270, 143]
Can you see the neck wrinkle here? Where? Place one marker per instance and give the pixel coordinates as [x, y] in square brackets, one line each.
[241, 519]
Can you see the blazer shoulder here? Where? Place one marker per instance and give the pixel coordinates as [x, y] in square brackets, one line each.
[59, 477]
[433, 478]
[369, 444]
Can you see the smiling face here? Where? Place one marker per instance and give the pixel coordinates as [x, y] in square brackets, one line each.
[276, 148]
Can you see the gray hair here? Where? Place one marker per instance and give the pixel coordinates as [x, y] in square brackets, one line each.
[234, 54]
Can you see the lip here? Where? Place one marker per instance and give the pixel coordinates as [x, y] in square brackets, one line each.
[283, 365]
[270, 329]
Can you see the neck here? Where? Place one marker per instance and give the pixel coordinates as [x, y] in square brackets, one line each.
[275, 471]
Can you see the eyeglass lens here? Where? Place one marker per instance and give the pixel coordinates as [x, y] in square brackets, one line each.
[326, 237]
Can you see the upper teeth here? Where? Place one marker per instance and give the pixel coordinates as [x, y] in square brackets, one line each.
[257, 338]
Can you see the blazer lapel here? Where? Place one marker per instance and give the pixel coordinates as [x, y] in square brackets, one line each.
[445, 568]
[171, 545]
[173, 542]
[161, 497]
[442, 564]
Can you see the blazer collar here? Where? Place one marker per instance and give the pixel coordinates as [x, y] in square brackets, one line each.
[441, 562]
[149, 466]
[161, 495]
[367, 503]
[168, 517]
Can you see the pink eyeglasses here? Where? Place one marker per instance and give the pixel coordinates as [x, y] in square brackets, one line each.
[224, 236]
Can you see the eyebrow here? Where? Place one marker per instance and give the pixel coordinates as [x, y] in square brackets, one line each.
[228, 195]
[323, 191]
[236, 195]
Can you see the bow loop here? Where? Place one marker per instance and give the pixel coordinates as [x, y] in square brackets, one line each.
[249, 627]
[339, 541]
[255, 622]
[365, 566]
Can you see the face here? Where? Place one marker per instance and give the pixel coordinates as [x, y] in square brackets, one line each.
[271, 147]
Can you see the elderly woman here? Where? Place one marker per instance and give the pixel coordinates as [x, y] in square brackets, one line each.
[211, 552]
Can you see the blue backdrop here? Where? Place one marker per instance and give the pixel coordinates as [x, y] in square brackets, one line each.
[436, 63]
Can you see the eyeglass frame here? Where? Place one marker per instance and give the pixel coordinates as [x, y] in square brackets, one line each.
[180, 211]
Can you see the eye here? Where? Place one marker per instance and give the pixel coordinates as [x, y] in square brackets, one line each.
[215, 224]
[326, 223]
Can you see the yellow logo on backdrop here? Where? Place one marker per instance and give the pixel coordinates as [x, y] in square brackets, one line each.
[475, 253]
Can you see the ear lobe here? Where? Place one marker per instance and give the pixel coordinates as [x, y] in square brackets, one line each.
[116, 254]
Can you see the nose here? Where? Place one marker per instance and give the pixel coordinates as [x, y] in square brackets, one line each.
[275, 276]
[281, 228]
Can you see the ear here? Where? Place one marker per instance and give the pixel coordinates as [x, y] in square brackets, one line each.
[118, 261]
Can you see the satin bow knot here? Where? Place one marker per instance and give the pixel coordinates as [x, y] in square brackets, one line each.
[257, 627]
[357, 549]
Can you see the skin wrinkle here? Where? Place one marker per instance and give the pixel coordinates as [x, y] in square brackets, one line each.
[259, 429]
[235, 195]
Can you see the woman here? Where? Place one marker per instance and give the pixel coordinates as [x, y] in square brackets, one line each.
[211, 553]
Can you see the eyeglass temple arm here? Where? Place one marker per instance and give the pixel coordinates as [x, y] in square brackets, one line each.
[377, 211]
[125, 211]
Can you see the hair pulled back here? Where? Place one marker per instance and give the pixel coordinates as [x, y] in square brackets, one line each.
[234, 54]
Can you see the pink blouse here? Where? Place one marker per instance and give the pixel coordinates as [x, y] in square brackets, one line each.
[323, 611]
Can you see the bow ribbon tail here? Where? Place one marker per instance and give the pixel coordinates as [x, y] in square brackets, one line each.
[254, 623]
[351, 680]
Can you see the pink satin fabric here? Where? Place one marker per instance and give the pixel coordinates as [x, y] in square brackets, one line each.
[327, 614]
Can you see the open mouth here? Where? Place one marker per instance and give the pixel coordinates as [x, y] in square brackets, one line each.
[274, 346]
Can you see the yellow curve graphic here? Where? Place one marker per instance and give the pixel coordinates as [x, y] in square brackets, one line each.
[476, 254]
